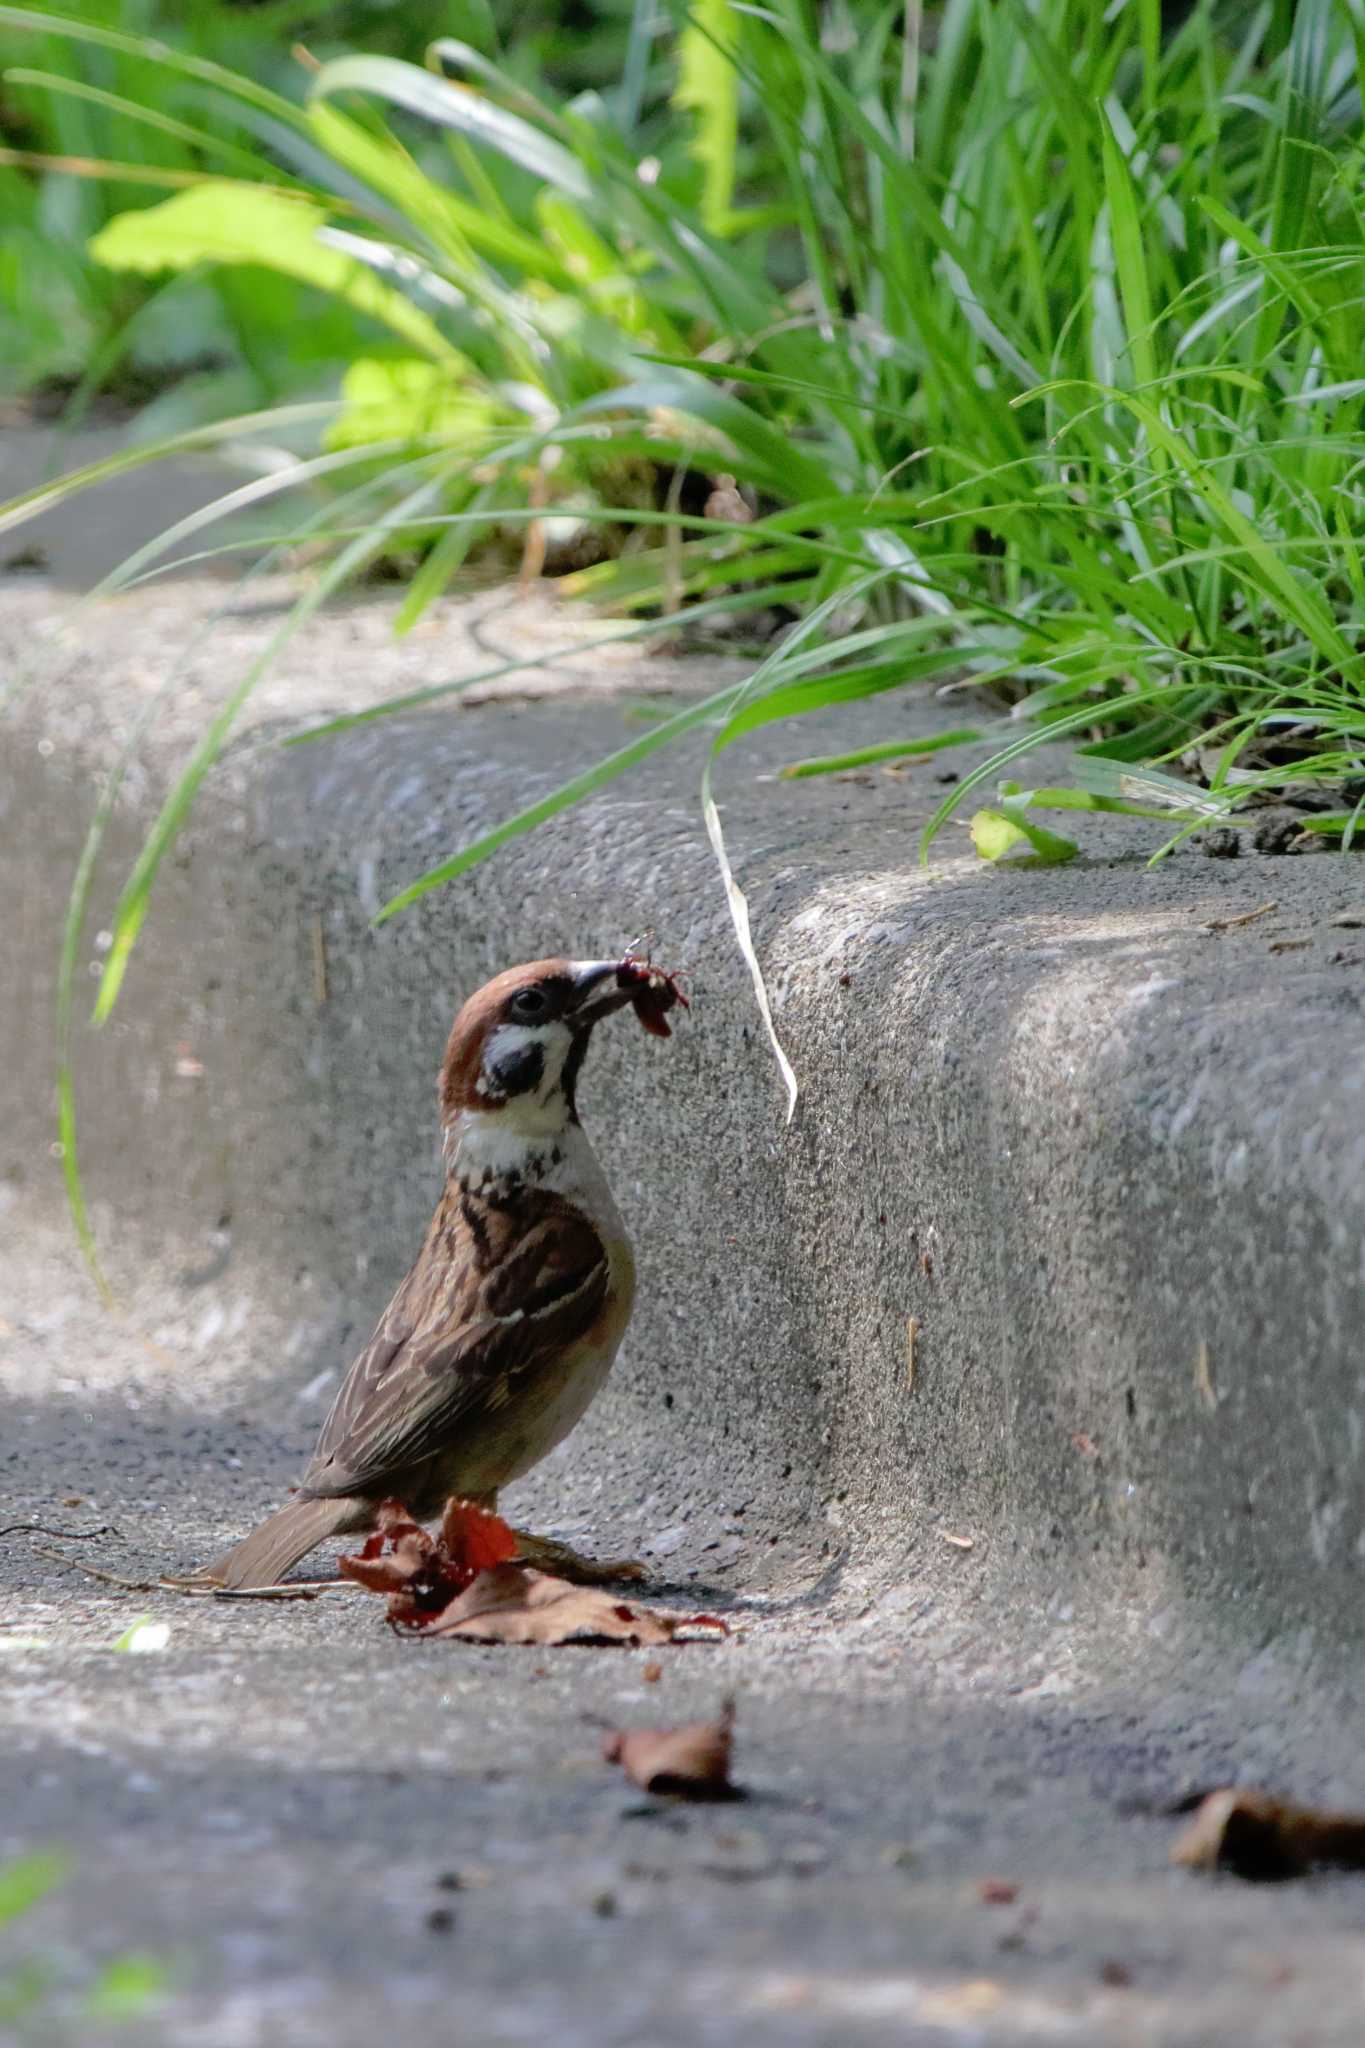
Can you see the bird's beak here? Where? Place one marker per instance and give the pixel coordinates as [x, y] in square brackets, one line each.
[600, 987]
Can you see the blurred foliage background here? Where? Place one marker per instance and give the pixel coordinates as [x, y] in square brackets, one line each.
[71, 329]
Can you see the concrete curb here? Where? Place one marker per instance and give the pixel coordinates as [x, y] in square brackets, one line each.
[1109, 1161]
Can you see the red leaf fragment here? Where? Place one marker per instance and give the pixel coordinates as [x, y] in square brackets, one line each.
[997, 1891]
[466, 1583]
[474, 1540]
[422, 1574]
[689, 1762]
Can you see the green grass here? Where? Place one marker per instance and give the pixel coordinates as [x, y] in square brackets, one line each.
[1037, 342]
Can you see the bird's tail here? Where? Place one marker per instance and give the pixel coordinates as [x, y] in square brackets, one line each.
[263, 1557]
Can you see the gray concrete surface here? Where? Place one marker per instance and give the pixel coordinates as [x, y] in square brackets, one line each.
[78, 546]
[984, 1622]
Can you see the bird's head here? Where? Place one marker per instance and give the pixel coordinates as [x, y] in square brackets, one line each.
[518, 1044]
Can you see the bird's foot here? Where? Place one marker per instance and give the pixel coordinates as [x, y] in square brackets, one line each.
[547, 1554]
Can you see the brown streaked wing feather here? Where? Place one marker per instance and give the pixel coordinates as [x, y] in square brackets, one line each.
[497, 1291]
[406, 1312]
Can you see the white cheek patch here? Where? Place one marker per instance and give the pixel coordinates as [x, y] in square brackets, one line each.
[516, 1037]
[523, 1061]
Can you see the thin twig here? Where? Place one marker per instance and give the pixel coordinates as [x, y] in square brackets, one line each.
[1230, 924]
[296, 1589]
[286, 1589]
[93, 1571]
[66, 1535]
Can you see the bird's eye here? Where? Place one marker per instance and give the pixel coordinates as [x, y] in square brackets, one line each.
[530, 1003]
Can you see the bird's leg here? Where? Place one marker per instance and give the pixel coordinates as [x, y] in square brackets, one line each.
[547, 1554]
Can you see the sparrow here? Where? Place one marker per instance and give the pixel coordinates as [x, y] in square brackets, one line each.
[505, 1328]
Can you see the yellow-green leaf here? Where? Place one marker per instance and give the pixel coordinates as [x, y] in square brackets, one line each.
[996, 833]
[388, 399]
[708, 87]
[223, 222]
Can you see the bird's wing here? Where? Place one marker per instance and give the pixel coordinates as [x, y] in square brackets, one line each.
[497, 1293]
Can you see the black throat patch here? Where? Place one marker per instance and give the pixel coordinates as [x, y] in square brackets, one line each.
[519, 1071]
[573, 1067]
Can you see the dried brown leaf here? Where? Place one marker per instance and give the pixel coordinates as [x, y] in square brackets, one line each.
[727, 501]
[1258, 1836]
[513, 1603]
[689, 1762]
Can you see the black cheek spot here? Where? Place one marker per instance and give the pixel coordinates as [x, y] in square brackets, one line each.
[517, 1072]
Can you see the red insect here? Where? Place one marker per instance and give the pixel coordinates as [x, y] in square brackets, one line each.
[656, 991]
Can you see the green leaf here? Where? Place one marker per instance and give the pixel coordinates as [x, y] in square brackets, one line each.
[885, 750]
[126, 1986]
[22, 1884]
[1129, 255]
[569, 792]
[708, 88]
[849, 686]
[995, 833]
[131, 908]
[43, 496]
[459, 107]
[451, 223]
[396, 398]
[221, 222]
